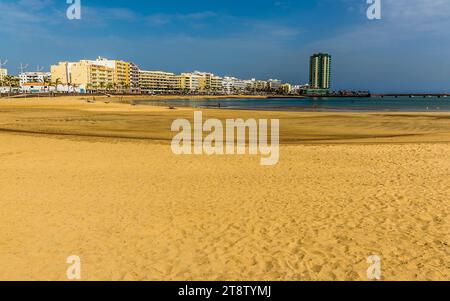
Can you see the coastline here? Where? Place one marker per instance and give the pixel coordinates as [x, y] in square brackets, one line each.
[99, 180]
[125, 97]
[74, 116]
[219, 148]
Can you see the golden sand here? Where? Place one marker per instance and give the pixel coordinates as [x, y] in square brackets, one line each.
[100, 181]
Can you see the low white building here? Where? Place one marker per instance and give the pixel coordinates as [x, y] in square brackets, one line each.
[69, 89]
[34, 77]
[4, 89]
[298, 88]
[36, 88]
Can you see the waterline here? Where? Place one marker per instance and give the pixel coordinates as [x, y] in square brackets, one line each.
[341, 104]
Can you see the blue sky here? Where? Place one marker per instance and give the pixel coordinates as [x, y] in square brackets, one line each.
[407, 50]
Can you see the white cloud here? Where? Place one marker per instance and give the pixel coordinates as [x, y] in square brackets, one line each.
[417, 9]
[26, 18]
[163, 19]
[402, 21]
[35, 4]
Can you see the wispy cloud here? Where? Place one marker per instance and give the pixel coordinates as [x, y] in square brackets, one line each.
[281, 4]
[417, 9]
[272, 29]
[103, 15]
[26, 18]
[402, 20]
[35, 4]
[163, 19]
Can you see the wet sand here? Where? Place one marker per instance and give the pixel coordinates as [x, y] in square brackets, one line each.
[100, 181]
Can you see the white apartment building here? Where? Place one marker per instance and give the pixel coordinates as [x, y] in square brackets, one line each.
[189, 82]
[255, 85]
[34, 77]
[36, 87]
[134, 78]
[274, 84]
[233, 85]
[298, 88]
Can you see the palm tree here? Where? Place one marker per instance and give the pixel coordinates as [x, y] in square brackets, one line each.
[56, 83]
[11, 82]
[127, 87]
[69, 85]
[109, 87]
[122, 86]
[75, 86]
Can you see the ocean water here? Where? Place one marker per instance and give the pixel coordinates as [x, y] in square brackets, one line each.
[367, 104]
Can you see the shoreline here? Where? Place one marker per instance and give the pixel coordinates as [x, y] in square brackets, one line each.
[75, 117]
[99, 180]
[172, 102]
[134, 96]
[292, 109]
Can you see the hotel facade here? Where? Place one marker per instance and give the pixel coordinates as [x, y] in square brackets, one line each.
[199, 82]
[120, 76]
[157, 82]
[99, 74]
[121, 72]
[83, 73]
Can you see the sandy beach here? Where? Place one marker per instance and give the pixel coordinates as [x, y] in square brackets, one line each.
[100, 181]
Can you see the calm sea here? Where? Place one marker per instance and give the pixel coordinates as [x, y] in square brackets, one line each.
[374, 104]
